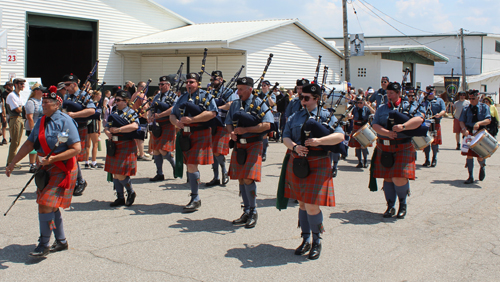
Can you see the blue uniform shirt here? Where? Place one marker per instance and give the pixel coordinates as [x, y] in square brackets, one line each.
[483, 112]
[433, 107]
[365, 114]
[163, 97]
[382, 114]
[236, 105]
[293, 107]
[58, 122]
[185, 97]
[294, 124]
[380, 96]
[273, 97]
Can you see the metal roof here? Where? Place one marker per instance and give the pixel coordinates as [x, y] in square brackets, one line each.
[170, 12]
[222, 33]
[423, 51]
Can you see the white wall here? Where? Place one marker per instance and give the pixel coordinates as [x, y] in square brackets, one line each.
[372, 64]
[491, 58]
[118, 21]
[295, 55]
[423, 74]
[392, 69]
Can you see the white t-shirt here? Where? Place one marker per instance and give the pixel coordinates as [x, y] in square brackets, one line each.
[14, 102]
[459, 106]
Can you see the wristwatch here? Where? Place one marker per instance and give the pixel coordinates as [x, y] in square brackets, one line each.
[293, 149]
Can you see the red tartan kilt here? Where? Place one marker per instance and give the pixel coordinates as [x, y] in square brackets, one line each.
[253, 165]
[201, 148]
[166, 141]
[438, 140]
[315, 189]
[83, 132]
[404, 161]
[53, 196]
[220, 141]
[353, 143]
[124, 162]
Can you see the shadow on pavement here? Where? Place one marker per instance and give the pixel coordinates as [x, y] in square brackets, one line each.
[271, 202]
[17, 254]
[160, 208]
[25, 195]
[361, 217]
[264, 255]
[457, 183]
[212, 225]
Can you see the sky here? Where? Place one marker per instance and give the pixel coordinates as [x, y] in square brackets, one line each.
[324, 17]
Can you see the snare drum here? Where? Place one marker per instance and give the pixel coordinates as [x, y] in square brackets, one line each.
[484, 144]
[420, 142]
[365, 136]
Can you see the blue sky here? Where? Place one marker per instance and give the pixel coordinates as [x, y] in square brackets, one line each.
[324, 17]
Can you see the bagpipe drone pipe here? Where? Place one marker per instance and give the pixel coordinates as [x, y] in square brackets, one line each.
[116, 120]
[396, 117]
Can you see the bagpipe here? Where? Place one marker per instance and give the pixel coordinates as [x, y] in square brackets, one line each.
[119, 120]
[224, 96]
[397, 117]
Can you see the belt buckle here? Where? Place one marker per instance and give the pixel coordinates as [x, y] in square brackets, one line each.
[114, 138]
[187, 129]
[387, 142]
[243, 141]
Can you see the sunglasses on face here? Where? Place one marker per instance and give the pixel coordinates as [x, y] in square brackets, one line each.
[384, 81]
[161, 84]
[190, 82]
[305, 98]
[119, 100]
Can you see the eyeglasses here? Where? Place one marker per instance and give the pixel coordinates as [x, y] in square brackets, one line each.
[191, 82]
[384, 81]
[119, 100]
[161, 84]
[305, 98]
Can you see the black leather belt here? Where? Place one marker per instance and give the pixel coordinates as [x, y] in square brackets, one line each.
[361, 123]
[116, 138]
[249, 140]
[194, 128]
[393, 142]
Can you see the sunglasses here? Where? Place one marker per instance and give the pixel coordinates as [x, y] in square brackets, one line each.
[119, 100]
[191, 82]
[161, 84]
[305, 98]
[384, 81]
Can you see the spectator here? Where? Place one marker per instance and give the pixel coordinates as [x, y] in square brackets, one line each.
[15, 109]
[3, 113]
[34, 111]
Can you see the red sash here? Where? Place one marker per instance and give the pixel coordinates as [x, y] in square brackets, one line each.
[46, 149]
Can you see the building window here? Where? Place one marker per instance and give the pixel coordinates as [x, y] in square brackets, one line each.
[361, 72]
[497, 46]
[484, 88]
[341, 72]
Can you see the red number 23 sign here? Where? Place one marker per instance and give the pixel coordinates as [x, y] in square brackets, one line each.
[11, 56]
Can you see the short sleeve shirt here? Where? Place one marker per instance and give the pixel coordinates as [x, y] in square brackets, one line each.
[57, 123]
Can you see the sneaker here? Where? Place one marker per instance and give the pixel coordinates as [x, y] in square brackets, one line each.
[87, 166]
[58, 246]
[148, 155]
[144, 158]
[32, 169]
[4, 142]
[40, 251]
[94, 166]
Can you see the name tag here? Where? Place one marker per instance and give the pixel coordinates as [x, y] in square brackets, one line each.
[243, 141]
[387, 142]
[114, 138]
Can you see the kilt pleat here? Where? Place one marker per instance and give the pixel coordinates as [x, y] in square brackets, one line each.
[438, 140]
[253, 165]
[404, 161]
[166, 141]
[54, 196]
[83, 132]
[353, 143]
[201, 148]
[317, 187]
[220, 141]
[124, 162]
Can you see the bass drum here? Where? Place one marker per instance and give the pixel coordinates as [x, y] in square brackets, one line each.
[420, 142]
[365, 136]
[484, 144]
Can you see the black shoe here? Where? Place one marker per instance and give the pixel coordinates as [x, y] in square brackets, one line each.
[58, 246]
[360, 165]
[390, 212]
[469, 180]
[303, 248]
[401, 211]
[482, 174]
[242, 220]
[130, 199]
[252, 219]
[365, 164]
[458, 146]
[4, 142]
[225, 178]
[315, 251]
[426, 164]
[263, 158]
[158, 177]
[87, 166]
[40, 251]
[192, 206]
[334, 172]
[434, 162]
[80, 188]
[32, 169]
[342, 157]
[213, 182]
[117, 203]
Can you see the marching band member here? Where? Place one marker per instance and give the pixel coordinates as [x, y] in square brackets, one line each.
[140, 99]
[220, 140]
[60, 167]
[81, 117]
[163, 144]
[473, 118]
[270, 102]
[394, 156]
[195, 134]
[435, 109]
[121, 157]
[381, 95]
[246, 158]
[295, 105]
[360, 115]
[316, 189]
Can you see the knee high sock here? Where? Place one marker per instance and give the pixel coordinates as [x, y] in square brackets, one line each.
[304, 225]
[194, 178]
[118, 188]
[159, 164]
[427, 150]
[244, 197]
[59, 230]
[390, 193]
[222, 163]
[316, 223]
[170, 159]
[265, 142]
[79, 177]
[435, 150]
[402, 192]
[358, 154]
[215, 167]
[251, 191]
[470, 167]
[335, 158]
[46, 221]
[127, 183]
[365, 153]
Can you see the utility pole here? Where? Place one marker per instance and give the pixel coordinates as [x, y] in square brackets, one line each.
[464, 82]
[347, 68]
